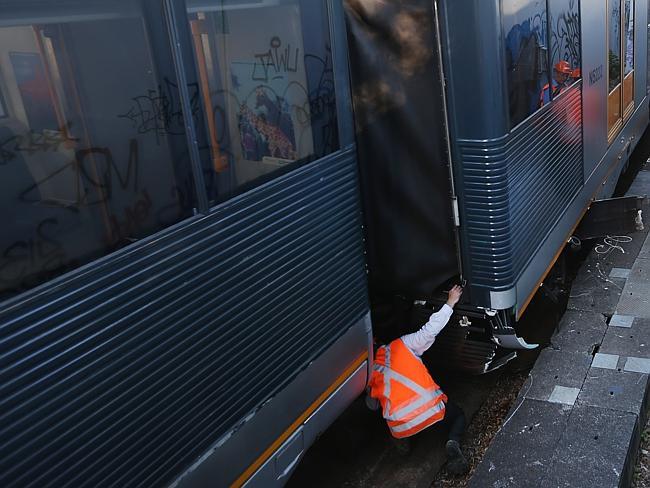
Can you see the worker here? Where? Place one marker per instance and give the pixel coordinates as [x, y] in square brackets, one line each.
[561, 75]
[409, 398]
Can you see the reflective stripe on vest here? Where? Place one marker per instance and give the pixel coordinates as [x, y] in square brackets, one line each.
[422, 408]
[387, 385]
[427, 414]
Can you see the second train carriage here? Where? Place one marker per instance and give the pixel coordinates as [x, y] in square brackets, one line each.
[485, 129]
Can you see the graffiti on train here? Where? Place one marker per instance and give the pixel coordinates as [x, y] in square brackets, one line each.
[275, 107]
[160, 110]
[94, 175]
[40, 251]
[82, 200]
[565, 35]
[31, 142]
[126, 222]
[274, 61]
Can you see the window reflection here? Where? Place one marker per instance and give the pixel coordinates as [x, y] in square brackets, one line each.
[267, 88]
[92, 148]
[614, 43]
[628, 50]
[564, 33]
[629, 36]
[620, 104]
[563, 77]
[525, 25]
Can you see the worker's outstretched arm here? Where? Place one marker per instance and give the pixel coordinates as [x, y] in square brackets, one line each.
[420, 341]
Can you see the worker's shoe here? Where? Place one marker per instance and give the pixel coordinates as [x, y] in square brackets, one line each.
[456, 462]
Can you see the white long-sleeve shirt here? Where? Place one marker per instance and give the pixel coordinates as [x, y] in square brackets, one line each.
[418, 342]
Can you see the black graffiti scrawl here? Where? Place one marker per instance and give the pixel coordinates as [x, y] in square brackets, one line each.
[565, 34]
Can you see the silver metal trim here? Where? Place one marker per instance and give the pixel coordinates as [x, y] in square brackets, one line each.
[190, 129]
[502, 300]
[511, 341]
[443, 83]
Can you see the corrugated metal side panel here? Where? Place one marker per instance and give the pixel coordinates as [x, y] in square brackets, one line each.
[124, 372]
[517, 187]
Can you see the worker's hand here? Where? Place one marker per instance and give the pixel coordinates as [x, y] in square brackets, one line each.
[454, 295]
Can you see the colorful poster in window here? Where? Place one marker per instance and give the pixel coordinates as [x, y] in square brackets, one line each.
[268, 104]
[266, 125]
[32, 82]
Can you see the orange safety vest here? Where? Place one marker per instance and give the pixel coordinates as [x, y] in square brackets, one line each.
[410, 400]
[545, 94]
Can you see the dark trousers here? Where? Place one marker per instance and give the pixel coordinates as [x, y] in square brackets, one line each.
[454, 421]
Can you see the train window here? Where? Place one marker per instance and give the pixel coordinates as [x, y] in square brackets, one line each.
[92, 148]
[564, 18]
[628, 56]
[614, 102]
[525, 28]
[621, 64]
[268, 91]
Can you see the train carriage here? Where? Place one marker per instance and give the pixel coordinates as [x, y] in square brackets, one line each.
[182, 266]
[485, 130]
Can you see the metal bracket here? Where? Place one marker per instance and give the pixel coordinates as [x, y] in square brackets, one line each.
[504, 335]
[455, 211]
[464, 321]
[490, 313]
[502, 361]
[512, 341]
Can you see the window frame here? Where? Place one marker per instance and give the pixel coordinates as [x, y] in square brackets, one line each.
[173, 32]
[86, 171]
[183, 44]
[618, 94]
[629, 108]
[549, 62]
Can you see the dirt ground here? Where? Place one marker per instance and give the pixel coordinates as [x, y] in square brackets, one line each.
[485, 424]
[641, 477]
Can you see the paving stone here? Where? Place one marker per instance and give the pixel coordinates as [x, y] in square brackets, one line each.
[593, 451]
[644, 253]
[521, 452]
[618, 320]
[562, 394]
[556, 368]
[595, 302]
[579, 331]
[605, 361]
[616, 390]
[619, 273]
[633, 341]
[638, 365]
[640, 273]
[596, 292]
[615, 258]
[635, 300]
